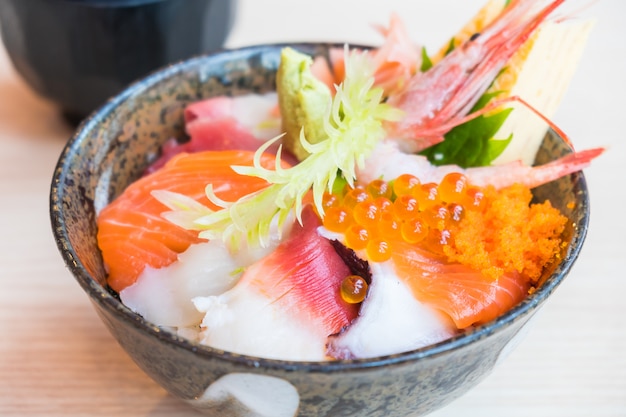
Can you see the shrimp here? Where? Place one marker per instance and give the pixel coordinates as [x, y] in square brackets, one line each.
[441, 98]
[397, 60]
[387, 161]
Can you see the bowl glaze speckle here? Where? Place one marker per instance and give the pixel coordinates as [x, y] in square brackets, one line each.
[113, 146]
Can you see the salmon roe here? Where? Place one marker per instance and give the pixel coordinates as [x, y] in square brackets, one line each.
[353, 289]
[375, 215]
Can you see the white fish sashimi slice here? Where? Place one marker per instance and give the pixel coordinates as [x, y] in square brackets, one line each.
[391, 321]
[246, 323]
[163, 296]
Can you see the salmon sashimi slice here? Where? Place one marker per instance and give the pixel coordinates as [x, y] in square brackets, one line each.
[285, 305]
[466, 295]
[131, 231]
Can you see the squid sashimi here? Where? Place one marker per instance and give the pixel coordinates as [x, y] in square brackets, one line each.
[287, 304]
[132, 234]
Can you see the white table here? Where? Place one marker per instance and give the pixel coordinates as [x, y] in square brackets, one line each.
[57, 359]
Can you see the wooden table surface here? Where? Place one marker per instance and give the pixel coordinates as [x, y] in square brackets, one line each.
[57, 359]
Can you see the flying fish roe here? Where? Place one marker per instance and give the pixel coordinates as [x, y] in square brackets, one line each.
[508, 234]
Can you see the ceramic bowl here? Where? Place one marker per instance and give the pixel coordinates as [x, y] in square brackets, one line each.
[113, 146]
[78, 53]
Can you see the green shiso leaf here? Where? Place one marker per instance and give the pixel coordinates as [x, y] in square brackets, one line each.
[450, 46]
[426, 61]
[472, 143]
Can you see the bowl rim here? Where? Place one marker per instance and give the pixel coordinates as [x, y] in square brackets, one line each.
[108, 301]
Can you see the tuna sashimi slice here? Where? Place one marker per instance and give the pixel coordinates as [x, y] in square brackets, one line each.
[287, 304]
[225, 123]
[132, 234]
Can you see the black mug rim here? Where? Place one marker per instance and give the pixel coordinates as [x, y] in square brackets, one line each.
[114, 3]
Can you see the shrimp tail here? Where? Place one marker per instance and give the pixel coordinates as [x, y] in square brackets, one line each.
[388, 162]
[517, 172]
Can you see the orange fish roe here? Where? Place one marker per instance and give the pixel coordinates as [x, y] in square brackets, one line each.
[353, 289]
[493, 231]
[508, 234]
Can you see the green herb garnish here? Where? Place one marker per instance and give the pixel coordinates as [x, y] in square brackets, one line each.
[472, 143]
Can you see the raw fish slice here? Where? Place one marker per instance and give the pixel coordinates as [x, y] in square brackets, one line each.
[164, 295]
[131, 232]
[467, 296]
[226, 123]
[287, 304]
[391, 321]
[255, 112]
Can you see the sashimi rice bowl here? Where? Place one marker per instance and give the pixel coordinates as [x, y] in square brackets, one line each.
[330, 229]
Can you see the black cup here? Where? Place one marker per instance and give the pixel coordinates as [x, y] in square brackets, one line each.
[78, 53]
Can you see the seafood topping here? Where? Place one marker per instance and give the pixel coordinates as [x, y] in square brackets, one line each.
[360, 210]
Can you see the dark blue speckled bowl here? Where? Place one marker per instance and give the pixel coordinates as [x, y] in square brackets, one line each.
[111, 149]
